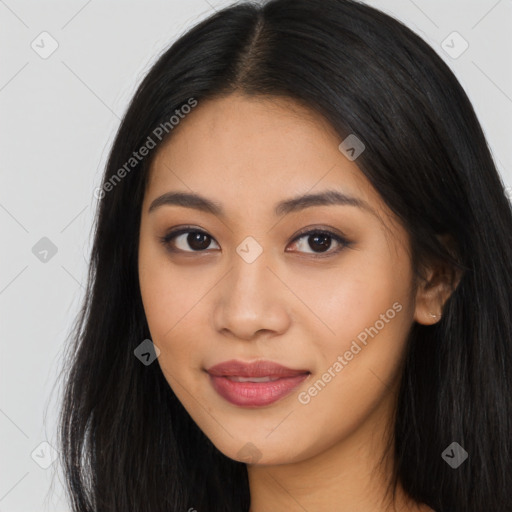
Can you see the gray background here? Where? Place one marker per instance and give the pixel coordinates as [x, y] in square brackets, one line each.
[58, 119]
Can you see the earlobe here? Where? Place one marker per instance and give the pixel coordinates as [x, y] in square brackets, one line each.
[440, 281]
[428, 305]
[433, 292]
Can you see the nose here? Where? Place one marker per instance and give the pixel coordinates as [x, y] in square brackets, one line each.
[251, 301]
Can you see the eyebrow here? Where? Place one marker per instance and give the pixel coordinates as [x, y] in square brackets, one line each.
[326, 198]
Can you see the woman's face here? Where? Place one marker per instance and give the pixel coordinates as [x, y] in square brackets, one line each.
[244, 281]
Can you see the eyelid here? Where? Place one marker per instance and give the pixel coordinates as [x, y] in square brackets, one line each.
[315, 228]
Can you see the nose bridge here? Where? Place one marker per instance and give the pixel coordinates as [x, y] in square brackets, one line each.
[250, 300]
[249, 277]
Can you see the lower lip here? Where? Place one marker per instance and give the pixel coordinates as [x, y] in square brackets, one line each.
[255, 394]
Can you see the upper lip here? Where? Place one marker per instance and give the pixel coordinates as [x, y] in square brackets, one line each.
[260, 368]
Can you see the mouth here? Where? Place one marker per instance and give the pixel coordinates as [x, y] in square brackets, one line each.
[254, 384]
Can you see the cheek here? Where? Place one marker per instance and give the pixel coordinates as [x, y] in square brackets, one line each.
[367, 308]
[169, 308]
[354, 295]
[166, 296]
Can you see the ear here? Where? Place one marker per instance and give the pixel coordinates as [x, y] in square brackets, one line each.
[440, 281]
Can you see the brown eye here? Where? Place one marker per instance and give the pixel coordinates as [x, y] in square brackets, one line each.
[187, 240]
[320, 241]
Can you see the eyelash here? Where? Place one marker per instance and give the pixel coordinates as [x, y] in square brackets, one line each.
[343, 242]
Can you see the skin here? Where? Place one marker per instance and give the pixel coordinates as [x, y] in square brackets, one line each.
[293, 305]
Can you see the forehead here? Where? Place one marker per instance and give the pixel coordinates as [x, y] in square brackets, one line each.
[245, 150]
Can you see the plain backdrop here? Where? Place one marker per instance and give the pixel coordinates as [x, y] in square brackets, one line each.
[58, 118]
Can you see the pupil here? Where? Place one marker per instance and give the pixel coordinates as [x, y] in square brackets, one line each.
[194, 241]
[324, 244]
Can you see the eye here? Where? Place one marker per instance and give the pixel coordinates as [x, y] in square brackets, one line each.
[189, 239]
[179, 239]
[320, 241]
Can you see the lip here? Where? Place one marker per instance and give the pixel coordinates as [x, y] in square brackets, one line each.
[254, 394]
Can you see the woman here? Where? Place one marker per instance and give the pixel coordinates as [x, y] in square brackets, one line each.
[300, 286]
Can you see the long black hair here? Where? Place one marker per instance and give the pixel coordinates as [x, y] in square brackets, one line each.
[127, 443]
